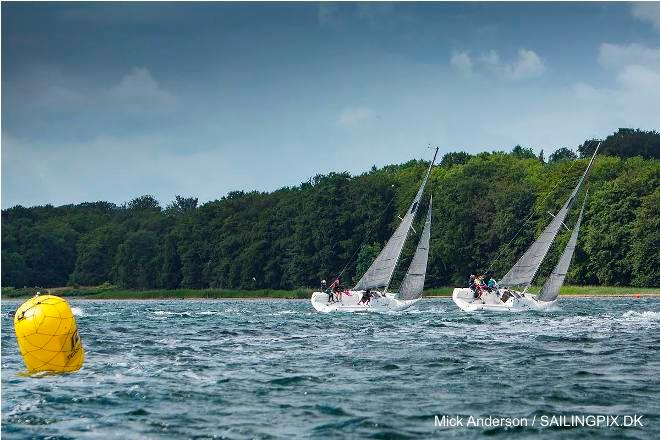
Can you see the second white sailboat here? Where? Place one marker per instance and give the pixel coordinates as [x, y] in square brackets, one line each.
[370, 293]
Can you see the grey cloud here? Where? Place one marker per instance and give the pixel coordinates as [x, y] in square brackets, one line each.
[618, 56]
[527, 65]
[461, 62]
[138, 91]
[647, 11]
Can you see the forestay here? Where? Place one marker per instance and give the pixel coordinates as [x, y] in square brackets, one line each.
[413, 283]
[380, 272]
[523, 272]
[550, 290]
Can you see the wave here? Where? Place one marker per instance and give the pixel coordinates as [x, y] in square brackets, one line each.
[168, 313]
[292, 380]
[642, 316]
[285, 312]
[430, 310]
[553, 308]
[77, 311]
[25, 406]
[567, 338]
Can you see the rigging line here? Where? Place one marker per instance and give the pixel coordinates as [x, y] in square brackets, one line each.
[573, 197]
[497, 256]
[414, 214]
[368, 232]
[373, 226]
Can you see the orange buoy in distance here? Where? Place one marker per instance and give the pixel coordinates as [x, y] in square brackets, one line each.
[47, 335]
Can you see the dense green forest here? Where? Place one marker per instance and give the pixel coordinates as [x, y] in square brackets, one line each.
[487, 208]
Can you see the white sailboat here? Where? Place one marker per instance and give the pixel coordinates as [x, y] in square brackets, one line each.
[379, 275]
[506, 298]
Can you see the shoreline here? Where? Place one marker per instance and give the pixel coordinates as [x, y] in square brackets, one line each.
[87, 293]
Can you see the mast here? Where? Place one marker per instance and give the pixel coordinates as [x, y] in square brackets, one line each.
[413, 209]
[525, 269]
[381, 270]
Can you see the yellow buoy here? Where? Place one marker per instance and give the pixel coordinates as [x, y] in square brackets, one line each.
[48, 335]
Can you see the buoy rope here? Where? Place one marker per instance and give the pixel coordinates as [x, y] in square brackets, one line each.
[23, 312]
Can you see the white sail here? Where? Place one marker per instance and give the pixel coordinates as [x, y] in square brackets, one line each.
[523, 272]
[380, 272]
[413, 283]
[550, 290]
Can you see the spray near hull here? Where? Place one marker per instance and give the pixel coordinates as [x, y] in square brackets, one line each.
[351, 303]
[492, 302]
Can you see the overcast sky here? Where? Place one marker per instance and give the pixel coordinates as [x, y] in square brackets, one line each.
[109, 101]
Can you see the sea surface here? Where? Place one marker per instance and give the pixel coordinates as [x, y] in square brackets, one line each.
[277, 369]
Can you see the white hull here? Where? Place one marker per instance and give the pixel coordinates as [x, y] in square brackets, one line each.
[349, 303]
[491, 302]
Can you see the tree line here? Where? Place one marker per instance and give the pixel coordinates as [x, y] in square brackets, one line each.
[487, 209]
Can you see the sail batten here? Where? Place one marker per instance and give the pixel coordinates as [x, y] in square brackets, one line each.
[525, 269]
[381, 270]
[550, 290]
[413, 283]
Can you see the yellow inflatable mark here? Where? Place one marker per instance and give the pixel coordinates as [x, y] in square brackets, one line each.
[48, 335]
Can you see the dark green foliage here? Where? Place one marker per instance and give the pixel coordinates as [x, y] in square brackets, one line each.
[644, 252]
[522, 152]
[616, 241]
[191, 270]
[170, 273]
[367, 254]
[14, 269]
[144, 203]
[451, 159]
[563, 154]
[96, 254]
[136, 262]
[626, 143]
[182, 205]
[487, 210]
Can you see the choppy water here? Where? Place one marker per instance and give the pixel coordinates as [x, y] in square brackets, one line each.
[276, 369]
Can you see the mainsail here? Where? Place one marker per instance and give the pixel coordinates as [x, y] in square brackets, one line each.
[523, 272]
[413, 282]
[380, 272]
[550, 290]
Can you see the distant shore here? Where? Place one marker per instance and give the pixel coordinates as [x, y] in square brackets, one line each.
[112, 292]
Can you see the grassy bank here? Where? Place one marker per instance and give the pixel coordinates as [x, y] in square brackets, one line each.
[112, 292]
[574, 291]
[119, 293]
[607, 290]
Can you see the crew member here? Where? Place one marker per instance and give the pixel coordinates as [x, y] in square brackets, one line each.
[492, 286]
[324, 288]
[472, 285]
[480, 286]
[335, 288]
[366, 297]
